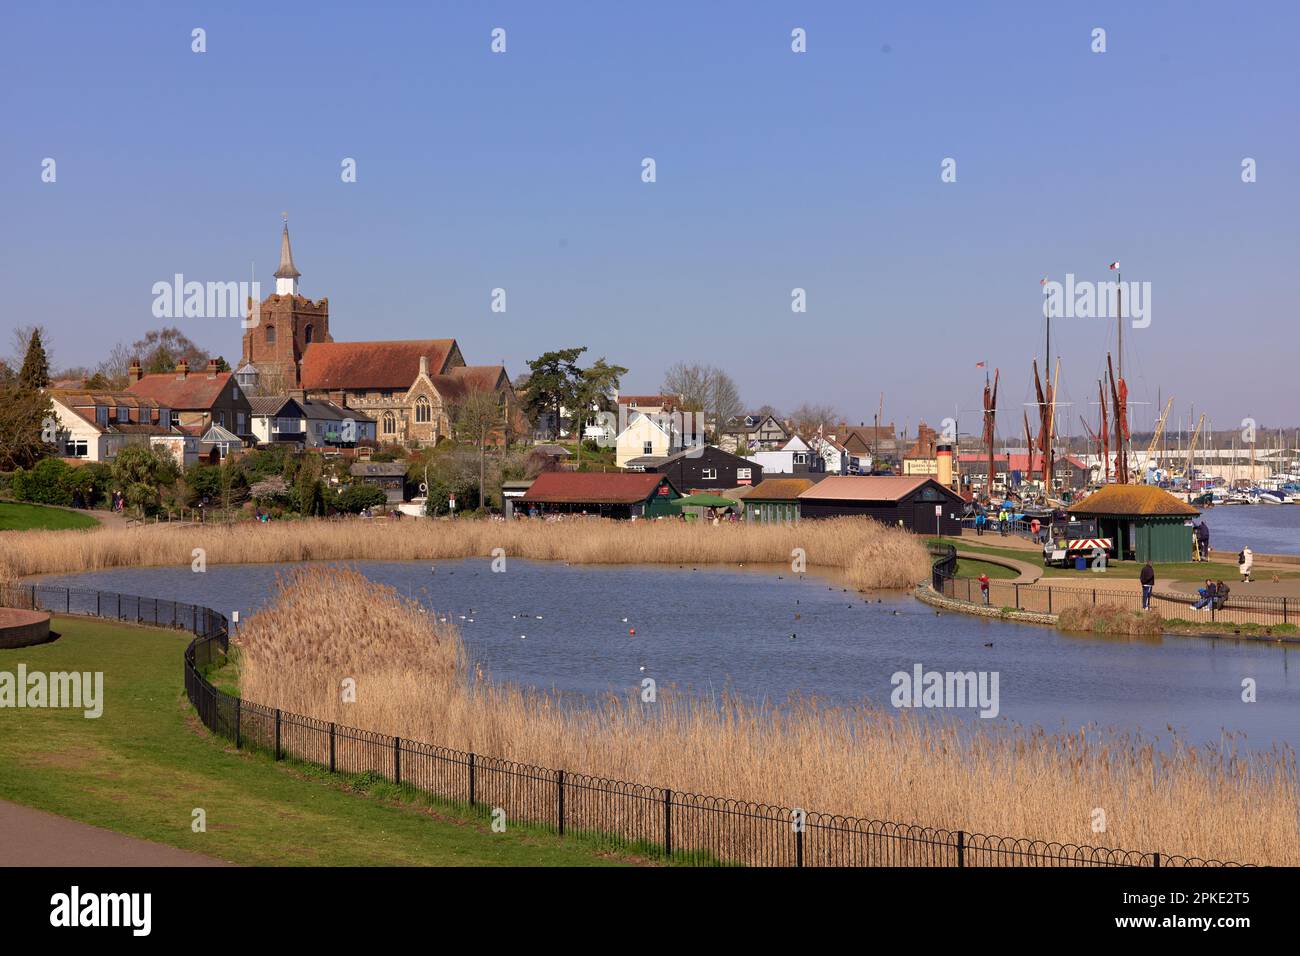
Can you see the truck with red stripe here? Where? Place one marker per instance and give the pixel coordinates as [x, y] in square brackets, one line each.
[1067, 541]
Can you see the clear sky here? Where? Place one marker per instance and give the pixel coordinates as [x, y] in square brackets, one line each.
[775, 170]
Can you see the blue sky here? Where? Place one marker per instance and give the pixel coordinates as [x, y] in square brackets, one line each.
[775, 170]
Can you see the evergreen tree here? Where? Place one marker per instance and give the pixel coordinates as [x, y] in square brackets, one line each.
[35, 373]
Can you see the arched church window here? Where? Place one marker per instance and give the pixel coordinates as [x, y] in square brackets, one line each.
[270, 335]
[306, 335]
[390, 423]
[422, 410]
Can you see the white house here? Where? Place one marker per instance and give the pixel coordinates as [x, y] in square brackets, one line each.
[95, 426]
[795, 457]
[658, 435]
[839, 460]
[312, 422]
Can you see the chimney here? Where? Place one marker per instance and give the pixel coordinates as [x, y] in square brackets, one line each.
[182, 370]
[133, 371]
[212, 368]
[424, 365]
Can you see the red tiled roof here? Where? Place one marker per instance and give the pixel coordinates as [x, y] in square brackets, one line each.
[482, 378]
[595, 487]
[863, 488]
[196, 392]
[367, 365]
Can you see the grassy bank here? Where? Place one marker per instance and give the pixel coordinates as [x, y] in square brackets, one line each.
[143, 767]
[1175, 571]
[868, 553]
[17, 516]
[412, 681]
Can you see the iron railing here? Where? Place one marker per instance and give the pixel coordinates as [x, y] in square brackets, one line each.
[669, 825]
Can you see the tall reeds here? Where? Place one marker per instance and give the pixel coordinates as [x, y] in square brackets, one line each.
[412, 680]
[870, 554]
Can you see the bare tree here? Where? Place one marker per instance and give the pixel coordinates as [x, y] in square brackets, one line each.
[477, 418]
[809, 416]
[704, 388]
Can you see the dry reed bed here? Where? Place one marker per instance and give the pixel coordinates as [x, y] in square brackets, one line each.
[412, 681]
[871, 555]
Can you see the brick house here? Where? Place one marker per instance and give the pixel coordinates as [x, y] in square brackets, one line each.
[197, 400]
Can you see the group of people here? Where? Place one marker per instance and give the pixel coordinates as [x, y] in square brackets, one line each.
[982, 520]
[1214, 595]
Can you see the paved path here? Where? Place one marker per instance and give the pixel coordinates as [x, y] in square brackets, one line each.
[31, 837]
[1027, 573]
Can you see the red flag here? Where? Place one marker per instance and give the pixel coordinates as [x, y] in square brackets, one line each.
[979, 364]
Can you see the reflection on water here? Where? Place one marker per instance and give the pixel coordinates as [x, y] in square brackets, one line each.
[766, 633]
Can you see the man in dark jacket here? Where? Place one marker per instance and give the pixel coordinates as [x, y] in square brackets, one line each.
[1203, 540]
[1148, 579]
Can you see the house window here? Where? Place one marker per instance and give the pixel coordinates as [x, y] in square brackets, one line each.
[648, 448]
[123, 414]
[101, 415]
[710, 474]
[75, 448]
[422, 411]
[390, 423]
[165, 417]
[800, 458]
[239, 424]
[742, 474]
[221, 418]
[270, 335]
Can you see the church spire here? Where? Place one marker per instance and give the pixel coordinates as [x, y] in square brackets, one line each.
[286, 277]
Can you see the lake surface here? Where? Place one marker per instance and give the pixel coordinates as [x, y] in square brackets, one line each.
[731, 628]
[1268, 529]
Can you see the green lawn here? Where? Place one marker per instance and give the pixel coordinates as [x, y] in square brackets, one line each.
[142, 767]
[17, 516]
[966, 568]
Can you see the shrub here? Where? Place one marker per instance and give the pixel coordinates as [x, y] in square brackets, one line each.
[1109, 619]
[46, 483]
[359, 496]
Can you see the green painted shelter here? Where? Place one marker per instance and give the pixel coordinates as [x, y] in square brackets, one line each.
[1145, 523]
[775, 499]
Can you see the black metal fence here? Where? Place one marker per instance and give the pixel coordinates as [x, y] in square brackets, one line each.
[655, 822]
[1049, 599]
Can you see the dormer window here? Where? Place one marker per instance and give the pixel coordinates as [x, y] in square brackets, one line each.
[123, 415]
[165, 417]
[101, 415]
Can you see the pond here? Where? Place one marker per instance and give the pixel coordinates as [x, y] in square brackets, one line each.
[1268, 529]
[713, 629]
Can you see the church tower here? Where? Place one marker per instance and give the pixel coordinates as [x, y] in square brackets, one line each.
[287, 323]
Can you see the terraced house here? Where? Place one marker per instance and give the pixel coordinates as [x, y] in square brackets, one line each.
[409, 388]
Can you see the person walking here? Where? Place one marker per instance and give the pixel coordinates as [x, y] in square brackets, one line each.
[984, 588]
[1203, 540]
[1148, 579]
[980, 519]
[1245, 561]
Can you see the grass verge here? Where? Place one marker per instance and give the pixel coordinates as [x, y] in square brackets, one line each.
[18, 516]
[147, 763]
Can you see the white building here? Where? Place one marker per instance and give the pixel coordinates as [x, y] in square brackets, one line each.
[95, 426]
[313, 423]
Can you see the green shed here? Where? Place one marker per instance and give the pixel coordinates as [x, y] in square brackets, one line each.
[1145, 523]
[775, 499]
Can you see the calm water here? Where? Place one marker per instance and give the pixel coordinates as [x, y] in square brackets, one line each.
[711, 629]
[1268, 529]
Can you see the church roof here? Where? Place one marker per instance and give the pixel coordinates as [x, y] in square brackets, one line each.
[482, 378]
[371, 365]
[286, 270]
